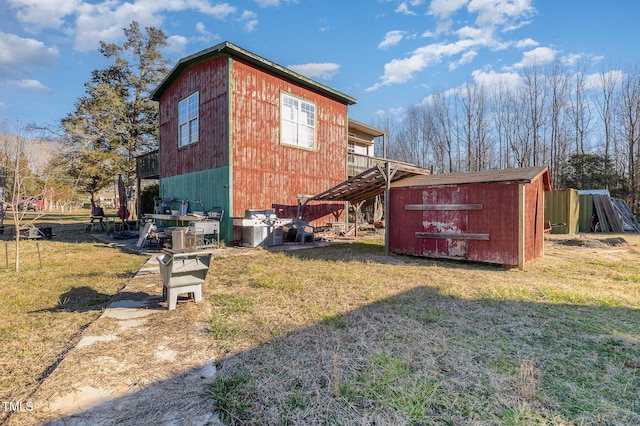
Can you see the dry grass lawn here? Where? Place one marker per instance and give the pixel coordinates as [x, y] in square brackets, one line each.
[43, 310]
[345, 335]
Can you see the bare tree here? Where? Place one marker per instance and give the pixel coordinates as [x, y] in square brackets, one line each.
[580, 109]
[535, 97]
[558, 83]
[17, 158]
[605, 106]
[476, 127]
[444, 133]
[629, 126]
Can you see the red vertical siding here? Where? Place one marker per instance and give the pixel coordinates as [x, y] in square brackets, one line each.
[498, 218]
[534, 219]
[267, 174]
[210, 80]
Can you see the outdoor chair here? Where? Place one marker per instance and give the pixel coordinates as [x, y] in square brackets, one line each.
[303, 230]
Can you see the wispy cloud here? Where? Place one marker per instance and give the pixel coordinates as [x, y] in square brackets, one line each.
[205, 35]
[444, 9]
[511, 80]
[176, 44]
[18, 55]
[391, 39]
[33, 85]
[89, 22]
[490, 19]
[249, 20]
[526, 43]
[44, 14]
[402, 70]
[267, 3]
[323, 71]
[537, 56]
[508, 14]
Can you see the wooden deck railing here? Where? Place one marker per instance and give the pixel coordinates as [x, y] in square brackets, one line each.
[148, 165]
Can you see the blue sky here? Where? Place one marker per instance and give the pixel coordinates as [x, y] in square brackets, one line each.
[388, 54]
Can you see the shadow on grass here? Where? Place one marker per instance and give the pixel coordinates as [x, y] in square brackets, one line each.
[85, 299]
[419, 357]
[373, 252]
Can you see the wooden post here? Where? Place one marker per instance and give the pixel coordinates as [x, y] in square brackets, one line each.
[521, 227]
[6, 254]
[388, 175]
[39, 257]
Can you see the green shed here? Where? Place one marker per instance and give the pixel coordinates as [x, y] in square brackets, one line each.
[562, 210]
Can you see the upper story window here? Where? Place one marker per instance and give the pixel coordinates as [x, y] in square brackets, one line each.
[298, 123]
[188, 122]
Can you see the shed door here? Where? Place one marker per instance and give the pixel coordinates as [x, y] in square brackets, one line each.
[439, 224]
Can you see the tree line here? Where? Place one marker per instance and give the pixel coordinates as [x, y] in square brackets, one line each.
[585, 127]
[112, 122]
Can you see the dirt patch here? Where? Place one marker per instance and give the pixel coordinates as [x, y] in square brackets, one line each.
[139, 363]
[593, 242]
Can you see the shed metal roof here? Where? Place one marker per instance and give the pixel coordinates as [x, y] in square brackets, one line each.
[231, 50]
[523, 174]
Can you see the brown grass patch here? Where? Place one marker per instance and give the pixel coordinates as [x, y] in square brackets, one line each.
[344, 335]
[43, 310]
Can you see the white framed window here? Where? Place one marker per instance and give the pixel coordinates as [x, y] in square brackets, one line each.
[298, 122]
[188, 120]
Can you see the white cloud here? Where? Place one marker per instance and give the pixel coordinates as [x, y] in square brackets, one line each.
[33, 85]
[402, 70]
[403, 8]
[249, 20]
[267, 3]
[572, 59]
[465, 59]
[537, 56]
[42, 14]
[510, 80]
[205, 35]
[391, 39]
[324, 71]
[176, 44]
[18, 55]
[90, 22]
[443, 9]
[523, 44]
[595, 81]
[500, 12]
[492, 17]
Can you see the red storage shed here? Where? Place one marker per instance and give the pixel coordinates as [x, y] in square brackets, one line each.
[492, 216]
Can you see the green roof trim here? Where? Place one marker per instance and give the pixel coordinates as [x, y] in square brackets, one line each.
[231, 50]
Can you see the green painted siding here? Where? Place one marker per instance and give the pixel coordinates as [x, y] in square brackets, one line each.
[562, 206]
[586, 213]
[209, 186]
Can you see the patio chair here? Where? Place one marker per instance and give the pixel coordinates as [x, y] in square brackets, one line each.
[303, 230]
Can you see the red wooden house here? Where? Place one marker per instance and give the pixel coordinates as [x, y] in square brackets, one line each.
[239, 132]
[494, 216]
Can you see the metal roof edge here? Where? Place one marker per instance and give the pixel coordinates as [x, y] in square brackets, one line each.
[230, 49]
[523, 174]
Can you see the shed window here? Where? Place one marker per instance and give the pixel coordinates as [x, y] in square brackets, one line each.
[188, 120]
[298, 123]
